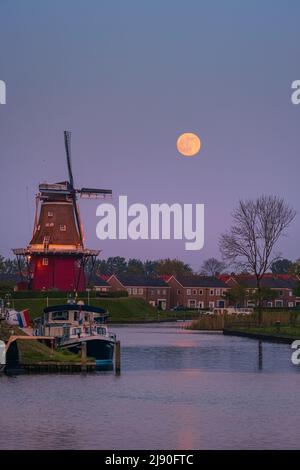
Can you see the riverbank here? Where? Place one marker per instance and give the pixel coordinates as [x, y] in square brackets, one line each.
[121, 310]
[283, 334]
[34, 352]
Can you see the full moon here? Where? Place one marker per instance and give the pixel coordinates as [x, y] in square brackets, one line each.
[188, 144]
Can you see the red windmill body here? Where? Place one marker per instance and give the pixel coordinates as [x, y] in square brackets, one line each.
[56, 257]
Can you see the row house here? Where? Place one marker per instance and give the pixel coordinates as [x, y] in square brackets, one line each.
[100, 285]
[282, 285]
[195, 291]
[154, 291]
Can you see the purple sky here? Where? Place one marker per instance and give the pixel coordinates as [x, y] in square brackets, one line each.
[127, 78]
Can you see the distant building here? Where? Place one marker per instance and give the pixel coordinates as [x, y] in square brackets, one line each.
[100, 285]
[197, 291]
[283, 286]
[154, 291]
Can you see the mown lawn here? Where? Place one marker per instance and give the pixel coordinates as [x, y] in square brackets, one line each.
[120, 310]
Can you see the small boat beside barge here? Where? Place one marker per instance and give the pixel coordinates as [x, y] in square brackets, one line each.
[73, 324]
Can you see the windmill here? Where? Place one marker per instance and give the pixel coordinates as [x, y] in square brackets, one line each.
[56, 257]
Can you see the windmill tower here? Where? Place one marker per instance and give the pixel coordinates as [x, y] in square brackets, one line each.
[56, 257]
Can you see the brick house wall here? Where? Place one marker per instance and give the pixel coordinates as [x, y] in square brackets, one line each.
[197, 296]
[156, 295]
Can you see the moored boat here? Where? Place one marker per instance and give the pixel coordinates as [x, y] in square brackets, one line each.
[73, 324]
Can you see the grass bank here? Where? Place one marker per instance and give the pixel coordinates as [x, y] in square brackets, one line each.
[287, 319]
[120, 310]
[31, 352]
[285, 334]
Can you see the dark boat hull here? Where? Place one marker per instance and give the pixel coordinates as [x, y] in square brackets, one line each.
[100, 349]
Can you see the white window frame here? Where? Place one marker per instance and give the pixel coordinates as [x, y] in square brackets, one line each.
[45, 261]
[134, 291]
[50, 214]
[129, 290]
[211, 304]
[200, 291]
[188, 292]
[141, 291]
[218, 292]
[63, 228]
[192, 301]
[212, 292]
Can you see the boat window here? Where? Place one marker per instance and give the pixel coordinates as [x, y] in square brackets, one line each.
[101, 331]
[60, 315]
[76, 316]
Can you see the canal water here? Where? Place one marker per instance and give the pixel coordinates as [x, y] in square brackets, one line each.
[178, 390]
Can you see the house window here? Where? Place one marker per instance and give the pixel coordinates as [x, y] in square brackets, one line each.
[290, 293]
[200, 291]
[129, 290]
[223, 291]
[141, 291]
[45, 262]
[178, 291]
[63, 228]
[217, 291]
[134, 291]
[291, 304]
[103, 289]
[200, 304]
[50, 214]
[152, 292]
[194, 291]
[164, 292]
[211, 292]
[188, 292]
[211, 304]
[280, 293]
[158, 291]
[51, 224]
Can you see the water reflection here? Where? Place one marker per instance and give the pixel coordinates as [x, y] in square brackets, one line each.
[178, 389]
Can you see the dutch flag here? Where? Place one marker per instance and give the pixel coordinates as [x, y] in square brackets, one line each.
[24, 318]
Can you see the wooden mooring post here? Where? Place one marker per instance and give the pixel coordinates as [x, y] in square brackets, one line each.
[118, 358]
[83, 357]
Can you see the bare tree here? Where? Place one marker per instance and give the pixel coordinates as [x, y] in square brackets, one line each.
[212, 267]
[257, 226]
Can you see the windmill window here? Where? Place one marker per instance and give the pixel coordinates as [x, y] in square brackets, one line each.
[46, 239]
[50, 214]
[63, 228]
[45, 262]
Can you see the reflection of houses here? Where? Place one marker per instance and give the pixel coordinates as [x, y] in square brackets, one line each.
[154, 291]
[197, 291]
[281, 285]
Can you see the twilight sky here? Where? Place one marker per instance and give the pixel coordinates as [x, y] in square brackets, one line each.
[127, 77]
